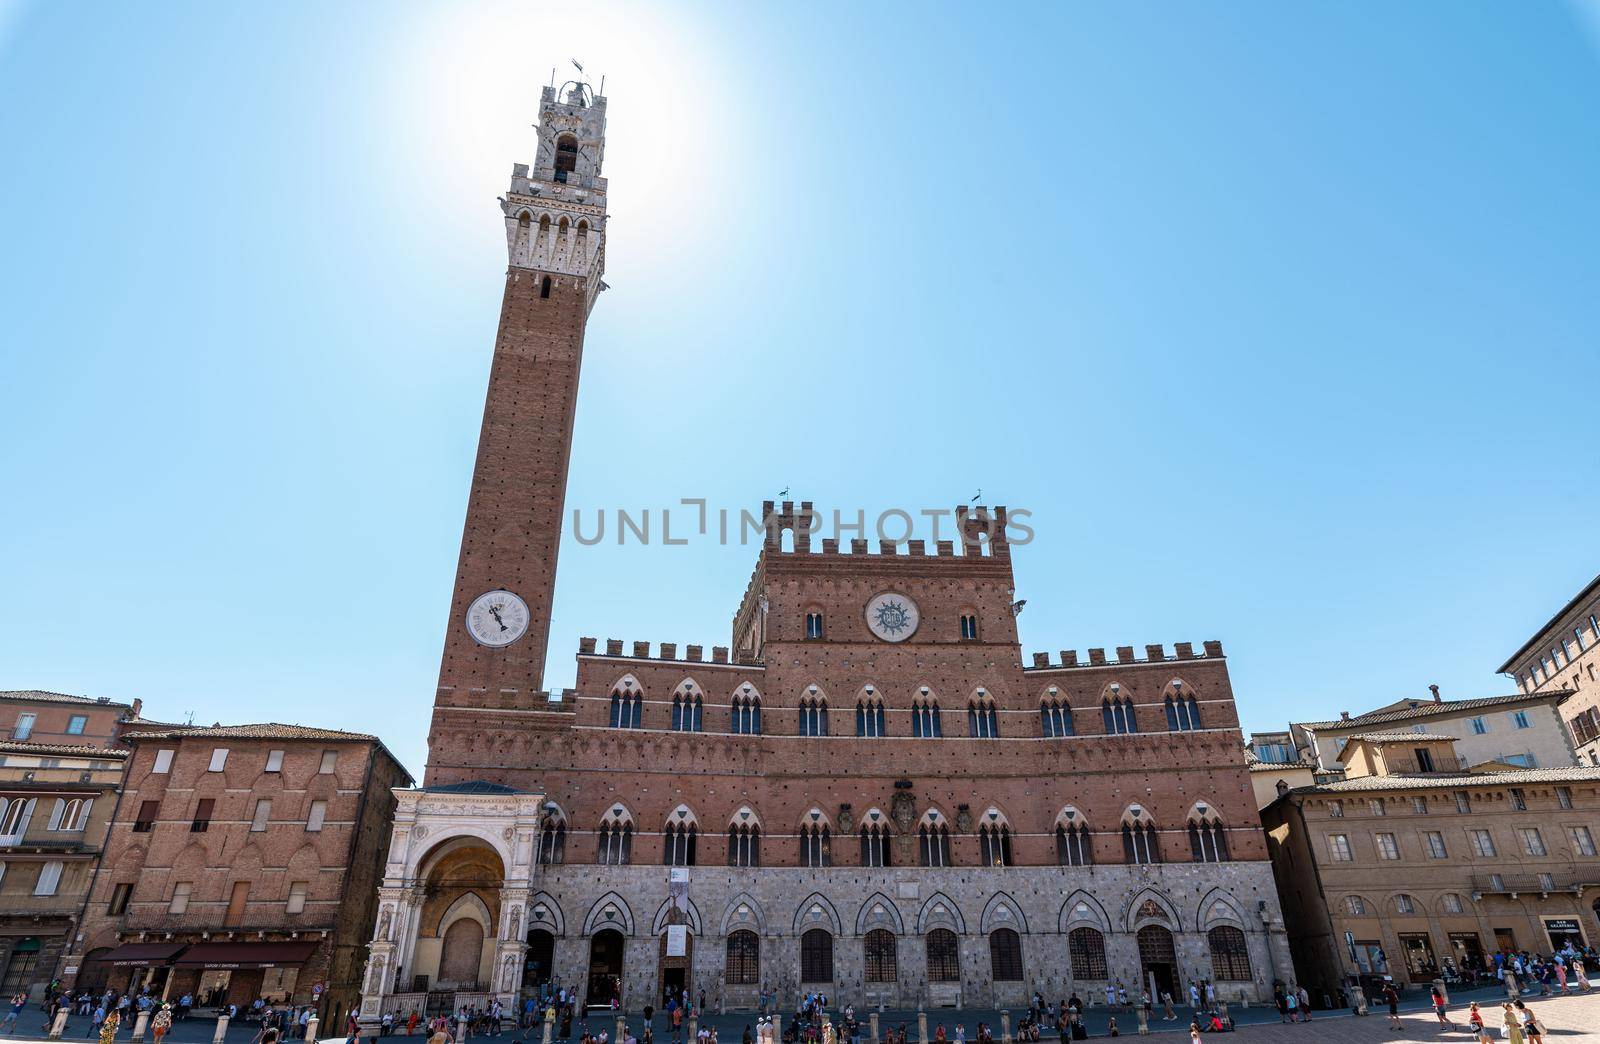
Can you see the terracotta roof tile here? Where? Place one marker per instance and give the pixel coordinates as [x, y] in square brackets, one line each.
[1402, 737]
[1429, 709]
[61, 749]
[40, 696]
[261, 730]
[1455, 781]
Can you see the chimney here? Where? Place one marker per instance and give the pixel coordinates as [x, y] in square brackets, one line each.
[138, 705]
[1344, 715]
[1436, 697]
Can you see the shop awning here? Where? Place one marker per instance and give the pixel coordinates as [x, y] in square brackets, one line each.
[143, 955]
[246, 954]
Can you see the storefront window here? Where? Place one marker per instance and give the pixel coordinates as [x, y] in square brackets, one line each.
[1419, 955]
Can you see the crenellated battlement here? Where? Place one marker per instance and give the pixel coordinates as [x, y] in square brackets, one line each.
[1156, 653]
[668, 652]
[982, 533]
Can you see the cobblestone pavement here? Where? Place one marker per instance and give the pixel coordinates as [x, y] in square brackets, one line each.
[1571, 1020]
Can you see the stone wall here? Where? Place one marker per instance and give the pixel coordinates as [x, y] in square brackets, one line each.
[1041, 903]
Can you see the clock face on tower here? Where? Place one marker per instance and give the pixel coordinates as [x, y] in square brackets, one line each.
[892, 616]
[497, 618]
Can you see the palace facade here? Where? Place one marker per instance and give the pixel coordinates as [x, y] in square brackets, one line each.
[867, 792]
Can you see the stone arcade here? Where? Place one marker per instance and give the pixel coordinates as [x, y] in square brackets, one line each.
[868, 792]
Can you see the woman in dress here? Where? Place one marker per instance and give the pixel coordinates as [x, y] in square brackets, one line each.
[108, 1028]
[1513, 1025]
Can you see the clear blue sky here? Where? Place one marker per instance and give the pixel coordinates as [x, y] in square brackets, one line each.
[1281, 318]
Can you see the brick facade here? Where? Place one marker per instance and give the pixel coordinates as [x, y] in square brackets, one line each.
[192, 858]
[509, 867]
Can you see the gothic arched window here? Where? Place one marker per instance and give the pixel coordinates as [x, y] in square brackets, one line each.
[875, 845]
[933, 843]
[869, 717]
[1087, 949]
[1208, 842]
[743, 966]
[994, 844]
[1116, 714]
[747, 715]
[1005, 955]
[1055, 719]
[814, 716]
[686, 712]
[1139, 841]
[744, 845]
[925, 720]
[944, 961]
[1230, 955]
[1183, 713]
[982, 722]
[553, 840]
[880, 953]
[678, 847]
[815, 845]
[616, 841]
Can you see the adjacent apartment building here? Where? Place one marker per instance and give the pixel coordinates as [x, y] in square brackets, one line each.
[1519, 730]
[242, 861]
[1412, 860]
[56, 801]
[33, 716]
[1561, 658]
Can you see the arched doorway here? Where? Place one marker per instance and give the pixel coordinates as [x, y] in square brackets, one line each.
[95, 971]
[541, 958]
[1158, 960]
[463, 878]
[605, 968]
[675, 968]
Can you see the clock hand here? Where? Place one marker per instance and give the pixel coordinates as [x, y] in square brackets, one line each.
[494, 611]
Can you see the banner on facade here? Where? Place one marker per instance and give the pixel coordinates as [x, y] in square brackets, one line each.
[677, 940]
[678, 894]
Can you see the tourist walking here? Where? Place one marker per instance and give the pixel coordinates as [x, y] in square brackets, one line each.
[1513, 1025]
[1392, 999]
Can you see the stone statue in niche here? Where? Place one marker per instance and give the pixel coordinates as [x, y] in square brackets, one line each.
[516, 922]
[383, 922]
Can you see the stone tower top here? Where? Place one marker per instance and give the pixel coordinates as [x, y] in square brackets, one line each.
[555, 212]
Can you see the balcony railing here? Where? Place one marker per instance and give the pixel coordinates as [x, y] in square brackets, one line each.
[1565, 877]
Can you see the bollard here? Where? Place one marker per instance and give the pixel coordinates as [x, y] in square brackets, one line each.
[1444, 991]
[311, 1028]
[922, 1026]
[1005, 1026]
[461, 1029]
[1144, 1022]
[139, 1025]
[622, 1028]
[59, 1026]
[222, 1030]
[694, 1025]
[548, 1024]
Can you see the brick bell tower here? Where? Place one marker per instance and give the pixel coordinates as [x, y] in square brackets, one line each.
[499, 625]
